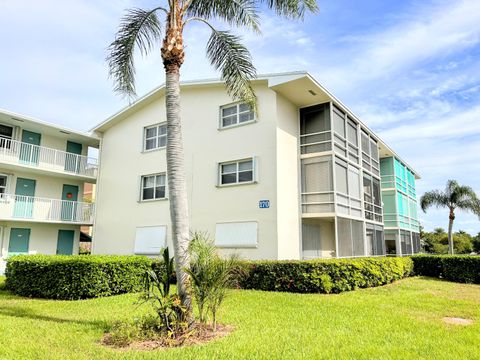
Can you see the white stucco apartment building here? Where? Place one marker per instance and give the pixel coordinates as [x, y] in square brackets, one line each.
[299, 179]
[43, 168]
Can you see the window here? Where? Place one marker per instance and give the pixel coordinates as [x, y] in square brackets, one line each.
[153, 187]
[236, 114]
[6, 134]
[341, 176]
[236, 234]
[352, 132]
[3, 184]
[347, 187]
[149, 240]
[317, 185]
[372, 198]
[350, 238]
[375, 240]
[236, 172]
[338, 121]
[155, 137]
[315, 135]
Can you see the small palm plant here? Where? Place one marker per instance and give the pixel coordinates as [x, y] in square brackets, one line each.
[168, 307]
[454, 197]
[211, 276]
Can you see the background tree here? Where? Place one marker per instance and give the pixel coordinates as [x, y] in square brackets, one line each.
[454, 197]
[436, 242]
[143, 29]
[476, 243]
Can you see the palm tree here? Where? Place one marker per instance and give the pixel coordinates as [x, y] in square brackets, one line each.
[454, 197]
[143, 29]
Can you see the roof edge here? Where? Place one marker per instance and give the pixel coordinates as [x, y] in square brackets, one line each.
[49, 124]
[206, 81]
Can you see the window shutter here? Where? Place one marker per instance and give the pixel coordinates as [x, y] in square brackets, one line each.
[149, 240]
[236, 234]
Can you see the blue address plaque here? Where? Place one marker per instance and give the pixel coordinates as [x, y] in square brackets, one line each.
[264, 204]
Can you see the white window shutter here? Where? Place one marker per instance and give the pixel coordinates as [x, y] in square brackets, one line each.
[237, 234]
[149, 240]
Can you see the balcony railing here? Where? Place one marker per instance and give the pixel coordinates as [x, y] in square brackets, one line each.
[20, 207]
[20, 153]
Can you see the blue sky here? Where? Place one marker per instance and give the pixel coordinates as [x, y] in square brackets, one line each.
[409, 69]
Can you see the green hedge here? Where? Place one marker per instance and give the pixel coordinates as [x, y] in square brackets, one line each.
[323, 276]
[458, 268]
[75, 277]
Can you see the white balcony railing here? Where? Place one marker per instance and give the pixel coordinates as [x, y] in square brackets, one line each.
[20, 153]
[20, 207]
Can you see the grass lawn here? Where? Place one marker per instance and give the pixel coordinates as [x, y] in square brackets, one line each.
[399, 321]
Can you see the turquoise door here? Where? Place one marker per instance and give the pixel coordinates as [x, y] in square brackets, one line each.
[65, 242]
[25, 192]
[29, 153]
[19, 240]
[72, 162]
[69, 205]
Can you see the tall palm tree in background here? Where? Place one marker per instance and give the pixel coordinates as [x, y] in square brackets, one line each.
[143, 29]
[454, 197]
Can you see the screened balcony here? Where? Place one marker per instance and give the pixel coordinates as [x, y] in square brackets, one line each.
[19, 153]
[339, 165]
[28, 208]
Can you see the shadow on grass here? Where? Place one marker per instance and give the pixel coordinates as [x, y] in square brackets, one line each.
[25, 313]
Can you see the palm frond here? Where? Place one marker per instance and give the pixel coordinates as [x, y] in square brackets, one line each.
[234, 12]
[138, 28]
[433, 198]
[293, 9]
[234, 61]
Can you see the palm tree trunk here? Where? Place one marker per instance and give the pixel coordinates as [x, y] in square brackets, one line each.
[177, 186]
[450, 227]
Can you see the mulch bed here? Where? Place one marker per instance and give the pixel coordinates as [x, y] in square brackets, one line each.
[200, 334]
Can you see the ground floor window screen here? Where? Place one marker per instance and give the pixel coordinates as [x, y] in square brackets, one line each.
[391, 237]
[375, 240]
[416, 242]
[350, 238]
[311, 239]
[406, 242]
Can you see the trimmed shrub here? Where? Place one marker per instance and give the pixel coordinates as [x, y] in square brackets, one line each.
[458, 268]
[322, 276]
[75, 277]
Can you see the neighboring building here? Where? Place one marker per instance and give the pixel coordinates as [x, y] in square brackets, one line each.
[299, 179]
[43, 169]
[402, 229]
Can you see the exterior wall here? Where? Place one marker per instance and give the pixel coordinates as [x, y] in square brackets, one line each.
[43, 237]
[119, 210]
[288, 180]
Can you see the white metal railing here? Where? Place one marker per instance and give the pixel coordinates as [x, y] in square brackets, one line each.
[17, 152]
[13, 207]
